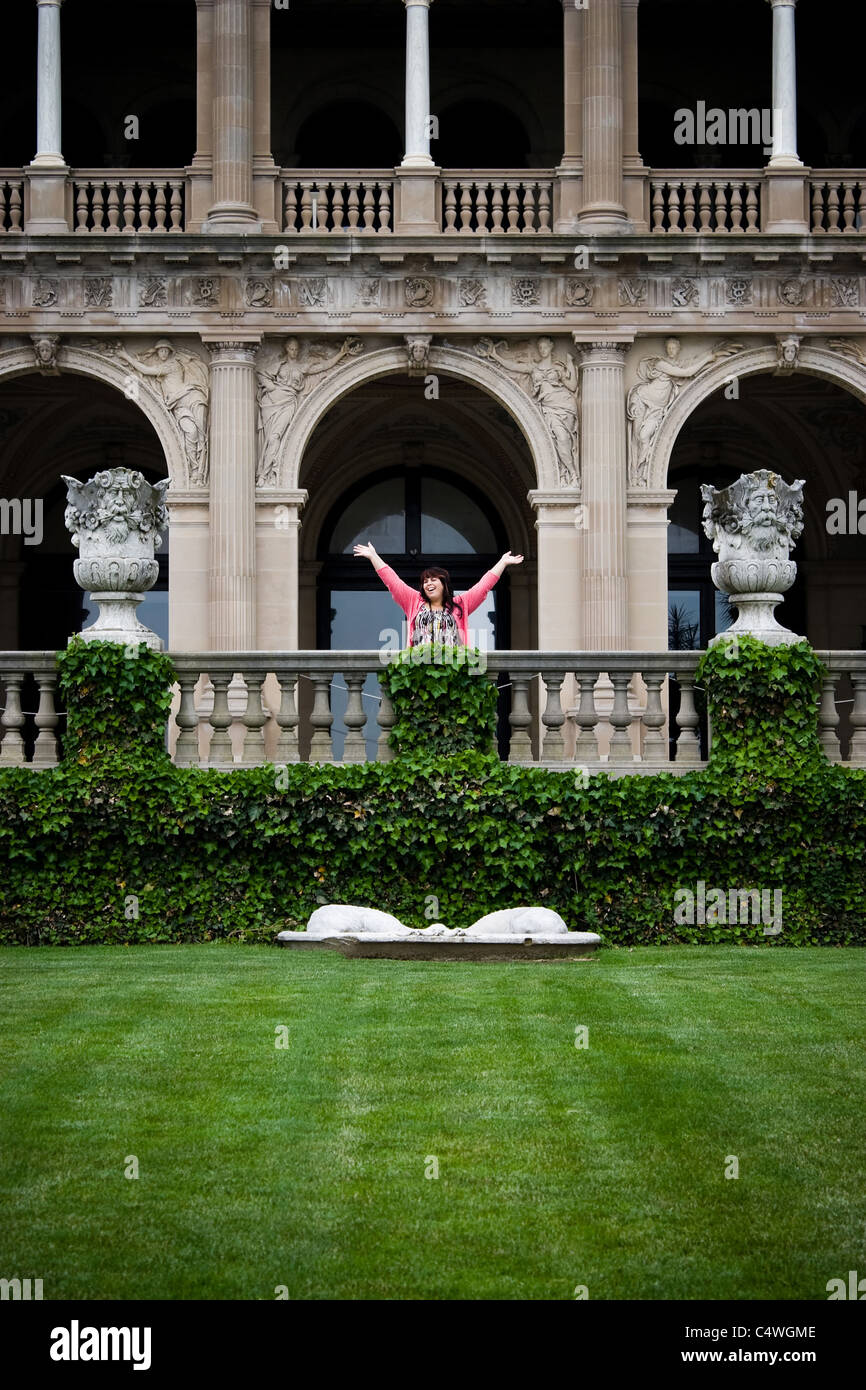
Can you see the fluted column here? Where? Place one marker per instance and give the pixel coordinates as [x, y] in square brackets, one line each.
[232, 209]
[46, 174]
[233, 445]
[201, 167]
[571, 166]
[417, 84]
[603, 207]
[784, 85]
[265, 171]
[604, 572]
[630, 151]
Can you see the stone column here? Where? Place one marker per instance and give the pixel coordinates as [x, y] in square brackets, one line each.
[417, 203]
[787, 184]
[784, 86]
[47, 171]
[604, 585]
[603, 208]
[233, 445]
[570, 170]
[201, 167]
[232, 210]
[636, 190]
[266, 187]
[417, 84]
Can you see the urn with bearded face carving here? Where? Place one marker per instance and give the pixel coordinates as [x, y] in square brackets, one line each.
[753, 525]
[116, 520]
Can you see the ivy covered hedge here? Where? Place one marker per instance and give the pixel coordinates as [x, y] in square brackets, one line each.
[118, 845]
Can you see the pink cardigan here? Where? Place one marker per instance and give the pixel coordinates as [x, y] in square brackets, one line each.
[410, 600]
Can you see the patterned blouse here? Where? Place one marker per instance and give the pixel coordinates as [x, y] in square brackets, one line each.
[435, 625]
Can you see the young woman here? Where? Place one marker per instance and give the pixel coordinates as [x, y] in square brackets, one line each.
[434, 612]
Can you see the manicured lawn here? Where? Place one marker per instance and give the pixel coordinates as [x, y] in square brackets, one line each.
[305, 1166]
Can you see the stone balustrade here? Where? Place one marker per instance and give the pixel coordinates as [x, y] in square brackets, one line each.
[706, 200]
[128, 201]
[838, 201]
[11, 200]
[497, 202]
[337, 201]
[241, 709]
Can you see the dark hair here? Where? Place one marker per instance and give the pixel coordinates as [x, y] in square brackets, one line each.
[449, 602]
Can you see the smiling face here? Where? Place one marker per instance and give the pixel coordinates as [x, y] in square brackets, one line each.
[433, 591]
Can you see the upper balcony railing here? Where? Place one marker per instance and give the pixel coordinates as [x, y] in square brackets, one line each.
[243, 709]
[469, 202]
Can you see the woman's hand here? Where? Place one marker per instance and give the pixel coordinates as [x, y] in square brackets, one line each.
[370, 553]
[509, 559]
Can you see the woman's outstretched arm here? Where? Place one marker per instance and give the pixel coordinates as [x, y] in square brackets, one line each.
[478, 593]
[400, 592]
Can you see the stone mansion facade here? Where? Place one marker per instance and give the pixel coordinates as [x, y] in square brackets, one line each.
[545, 348]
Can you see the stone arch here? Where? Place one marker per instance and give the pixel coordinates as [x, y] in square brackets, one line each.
[448, 361]
[83, 361]
[814, 361]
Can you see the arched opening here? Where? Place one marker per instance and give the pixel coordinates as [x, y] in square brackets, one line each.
[429, 482]
[477, 134]
[347, 134]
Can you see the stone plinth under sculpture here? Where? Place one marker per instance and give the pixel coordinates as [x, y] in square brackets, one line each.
[522, 933]
[753, 525]
[116, 520]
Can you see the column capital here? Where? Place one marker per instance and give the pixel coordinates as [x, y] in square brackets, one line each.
[783, 4]
[603, 350]
[424, 4]
[49, 4]
[240, 351]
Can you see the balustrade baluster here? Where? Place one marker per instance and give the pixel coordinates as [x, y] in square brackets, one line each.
[674, 208]
[498, 209]
[354, 206]
[857, 750]
[450, 205]
[513, 209]
[45, 749]
[848, 206]
[369, 208]
[544, 208]
[689, 210]
[254, 719]
[751, 207]
[144, 206]
[828, 721]
[466, 208]
[658, 208]
[384, 208]
[688, 742]
[128, 210]
[736, 208]
[161, 211]
[287, 719]
[186, 752]
[553, 718]
[817, 207]
[704, 206]
[620, 719]
[81, 208]
[529, 207]
[386, 719]
[176, 209]
[354, 746]
[481, 210]
[721, 207]
[655, 748]
[113, 207]
[290, 208]
[15, 209]
[220, 754]
[338, 208]
[520, 719]
[833, 210]
[321, 719]
[586, 747]
[12, 720]
[306, 205]
[98, 208]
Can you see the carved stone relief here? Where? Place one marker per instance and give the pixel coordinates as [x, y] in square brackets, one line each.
[98, 292]
[552, 382]
[181, 378]
[579, 293]
[282, 380]
[418, 349]
[419, 293]
[45, 352]
[653, 395]
[45, 293]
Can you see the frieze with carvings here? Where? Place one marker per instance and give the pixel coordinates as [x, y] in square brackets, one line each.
[553, 383]
[472, 294]
[579, 293]
[525, 292]
[684, 292]
[632, 291]
[258, 294]
[419, 293]
[153, 294]
[98, 292]
[45, 293]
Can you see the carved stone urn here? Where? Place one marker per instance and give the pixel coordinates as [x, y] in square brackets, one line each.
[116, 520]
[753, 525]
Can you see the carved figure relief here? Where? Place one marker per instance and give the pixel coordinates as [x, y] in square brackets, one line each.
[788, 353]
[183, 382]
[418, 350]
[552, 382]
[45, 347]
[279, 390]
[45, 293]
[653, 395]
